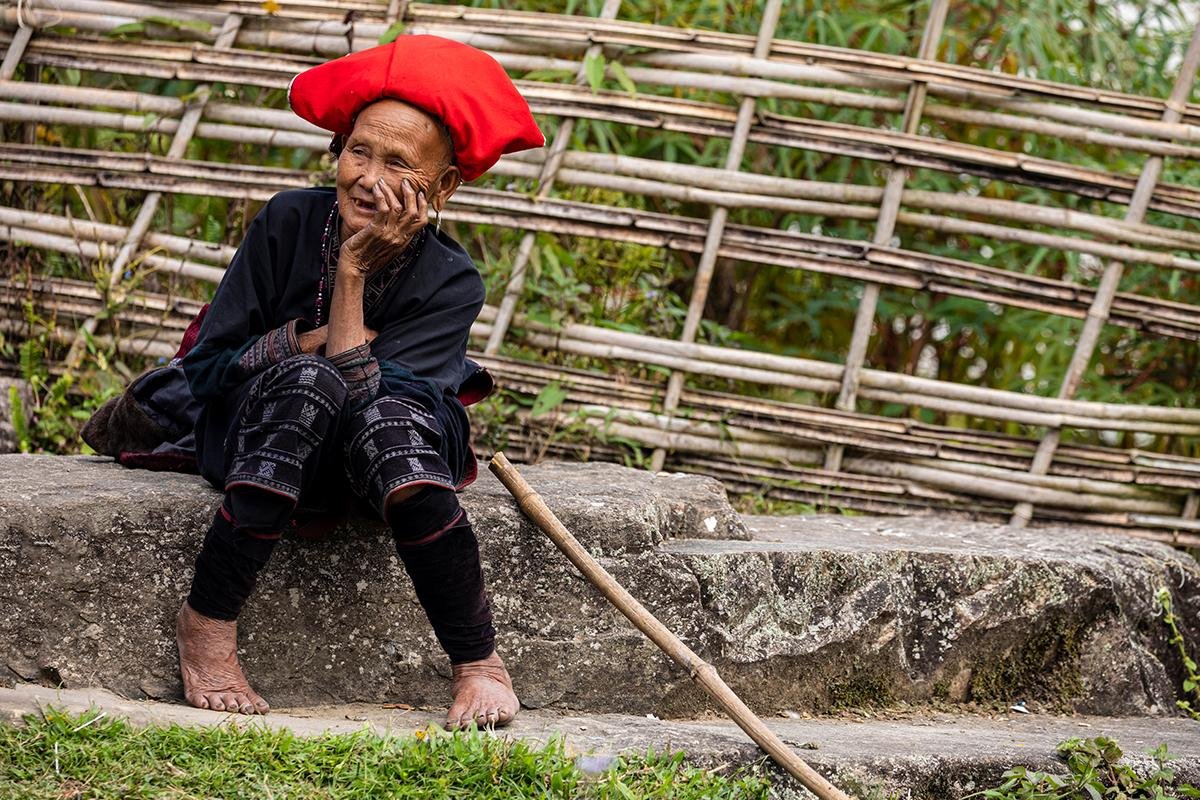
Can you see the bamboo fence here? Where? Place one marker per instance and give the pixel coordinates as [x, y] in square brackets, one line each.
[834, 456]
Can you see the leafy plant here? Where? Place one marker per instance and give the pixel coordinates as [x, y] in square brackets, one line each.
[1094, 772]
[1191, 680]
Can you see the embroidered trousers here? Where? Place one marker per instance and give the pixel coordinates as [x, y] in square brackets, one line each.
[295, 445]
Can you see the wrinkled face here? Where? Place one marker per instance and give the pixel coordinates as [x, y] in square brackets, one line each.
[393, 141]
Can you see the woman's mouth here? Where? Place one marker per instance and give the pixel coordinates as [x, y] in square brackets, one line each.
[368, 208]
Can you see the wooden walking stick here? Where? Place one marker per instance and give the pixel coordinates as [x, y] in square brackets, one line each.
[700, 671]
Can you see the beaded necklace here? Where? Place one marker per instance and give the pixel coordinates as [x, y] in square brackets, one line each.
[377, 284]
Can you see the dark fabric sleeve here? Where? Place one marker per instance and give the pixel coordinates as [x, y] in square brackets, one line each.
[361, 372]
[432, 344]
[272, 347]
[239, 335]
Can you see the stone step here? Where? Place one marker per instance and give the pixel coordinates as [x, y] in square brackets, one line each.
[919, 756]
[803, 614]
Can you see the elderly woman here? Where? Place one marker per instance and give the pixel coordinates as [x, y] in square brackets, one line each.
[333, 356]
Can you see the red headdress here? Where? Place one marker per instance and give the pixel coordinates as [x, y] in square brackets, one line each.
[462, 86]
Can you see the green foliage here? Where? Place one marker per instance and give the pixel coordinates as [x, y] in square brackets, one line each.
[549, 398]
[146, 24]
[1093, 773]
[394, 30]
[62, 401]
[90, 756]
[593, 68]
[19, 418]
[1191, 679]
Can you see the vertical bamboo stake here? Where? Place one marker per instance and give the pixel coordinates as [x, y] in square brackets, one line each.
[141, 223]
[1102, 302]
[12, 59]
[716, 223]
[395, 10]
[885, 227]
[700, 671]
[16, 51]
[562, 138]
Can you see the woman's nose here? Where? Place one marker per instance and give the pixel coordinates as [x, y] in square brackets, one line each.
[370, 174]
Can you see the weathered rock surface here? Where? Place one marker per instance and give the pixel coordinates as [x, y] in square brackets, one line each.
[920, 757]
[799, 613]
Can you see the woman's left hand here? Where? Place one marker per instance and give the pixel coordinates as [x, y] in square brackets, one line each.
[395, 222]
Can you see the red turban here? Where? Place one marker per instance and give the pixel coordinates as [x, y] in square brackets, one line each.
[462, 86]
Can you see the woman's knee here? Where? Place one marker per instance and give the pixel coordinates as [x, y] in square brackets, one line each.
[422, 516]
[308, 371]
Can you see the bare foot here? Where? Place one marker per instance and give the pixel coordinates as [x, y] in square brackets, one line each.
[212, 677]
[483, 693]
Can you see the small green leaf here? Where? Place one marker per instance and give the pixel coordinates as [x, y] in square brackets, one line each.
[549, 398]
[181, 24]
[393, 31]
[214, 229]
[593, 67]
[128, 27]
[627, 83]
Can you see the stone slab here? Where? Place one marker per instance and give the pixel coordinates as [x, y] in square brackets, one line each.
[937, 756]
[804, 614]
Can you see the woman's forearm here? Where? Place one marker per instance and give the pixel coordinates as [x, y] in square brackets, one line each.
[346, 330]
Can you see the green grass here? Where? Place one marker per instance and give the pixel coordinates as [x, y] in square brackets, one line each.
[90, 756]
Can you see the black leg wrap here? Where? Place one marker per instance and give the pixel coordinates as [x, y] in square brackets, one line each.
[423, 517]
[261, 513]
[448, 580]
[228, 566]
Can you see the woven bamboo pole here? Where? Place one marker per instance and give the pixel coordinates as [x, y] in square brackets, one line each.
[1025, 170]
[216, 254]
[747, 188]
[715, 444]
[885, 228]
[726, 403]
[700, 437]
[16, 49]
[91, 251]
[147, 347]
[688, 193]
[950, 80]
[1102, 303]
[317, 142]
[618, 400]
[935, 274]
[546, 178]
[932, 401]
[717, 220]
[1000, 87]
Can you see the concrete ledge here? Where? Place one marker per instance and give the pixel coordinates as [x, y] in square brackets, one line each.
[809, 614]
[933, 757]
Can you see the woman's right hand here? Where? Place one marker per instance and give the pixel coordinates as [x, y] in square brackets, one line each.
[390, 230]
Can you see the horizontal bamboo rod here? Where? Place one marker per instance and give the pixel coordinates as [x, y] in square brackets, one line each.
[936, 154]
[884, 265]
[878, 70]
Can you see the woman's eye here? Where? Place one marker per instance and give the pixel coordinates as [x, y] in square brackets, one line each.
[393, 164]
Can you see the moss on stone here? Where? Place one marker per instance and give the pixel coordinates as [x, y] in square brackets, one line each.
[1044, 668]
[863, 689]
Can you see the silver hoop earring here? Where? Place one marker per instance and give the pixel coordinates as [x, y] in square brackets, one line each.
[437, 219]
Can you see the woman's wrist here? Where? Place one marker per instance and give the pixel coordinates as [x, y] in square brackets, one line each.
[351, 269]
